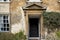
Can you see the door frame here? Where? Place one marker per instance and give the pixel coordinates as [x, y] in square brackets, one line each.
[39, 26]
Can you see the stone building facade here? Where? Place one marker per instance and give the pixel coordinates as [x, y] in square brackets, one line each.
[17, 15]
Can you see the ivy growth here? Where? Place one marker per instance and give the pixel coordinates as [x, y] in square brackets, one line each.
[51, 20]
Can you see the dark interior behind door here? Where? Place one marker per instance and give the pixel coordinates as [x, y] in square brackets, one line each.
[33, 27]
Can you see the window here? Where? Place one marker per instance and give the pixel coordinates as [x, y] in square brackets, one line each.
[0, 0]
[4, 0]
[34, 0]
[4, 23]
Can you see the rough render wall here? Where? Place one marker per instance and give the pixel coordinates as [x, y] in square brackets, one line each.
[16, 3]
[16, 15]
[17, 21]
[52, 5]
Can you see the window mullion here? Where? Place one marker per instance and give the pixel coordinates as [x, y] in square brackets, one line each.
[4, 0]
[4, 26]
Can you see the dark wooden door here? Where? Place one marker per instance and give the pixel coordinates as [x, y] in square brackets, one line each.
[33, 27]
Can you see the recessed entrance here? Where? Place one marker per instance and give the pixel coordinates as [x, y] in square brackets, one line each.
[34, 28]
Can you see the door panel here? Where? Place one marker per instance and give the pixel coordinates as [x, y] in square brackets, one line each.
[33, 27]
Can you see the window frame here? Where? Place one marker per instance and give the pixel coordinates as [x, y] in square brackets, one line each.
[6, 24]
[34, 1]
[5, 1]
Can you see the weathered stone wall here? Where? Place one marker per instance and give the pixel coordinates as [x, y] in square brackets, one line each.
[4, 8]
[17, 23]
[52, 5]
[16, 15]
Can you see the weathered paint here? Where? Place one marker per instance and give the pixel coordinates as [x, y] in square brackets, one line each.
[19, 23]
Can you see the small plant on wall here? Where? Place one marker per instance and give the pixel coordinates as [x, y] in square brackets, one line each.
[51, 20]
[20, 36]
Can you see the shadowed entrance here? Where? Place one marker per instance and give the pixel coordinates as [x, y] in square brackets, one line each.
[33, 27]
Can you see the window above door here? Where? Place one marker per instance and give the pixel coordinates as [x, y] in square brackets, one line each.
[4, 0]
[34, 1]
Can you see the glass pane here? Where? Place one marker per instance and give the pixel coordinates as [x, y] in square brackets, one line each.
[5, 25]
[5, 21]
[1, 25]
[1, 17]
[7, 29]
[5, 17]
[5, 0]
[0, 0]
[4, 29]
[1, 21]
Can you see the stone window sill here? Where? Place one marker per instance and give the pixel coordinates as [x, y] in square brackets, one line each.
[34, 1]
